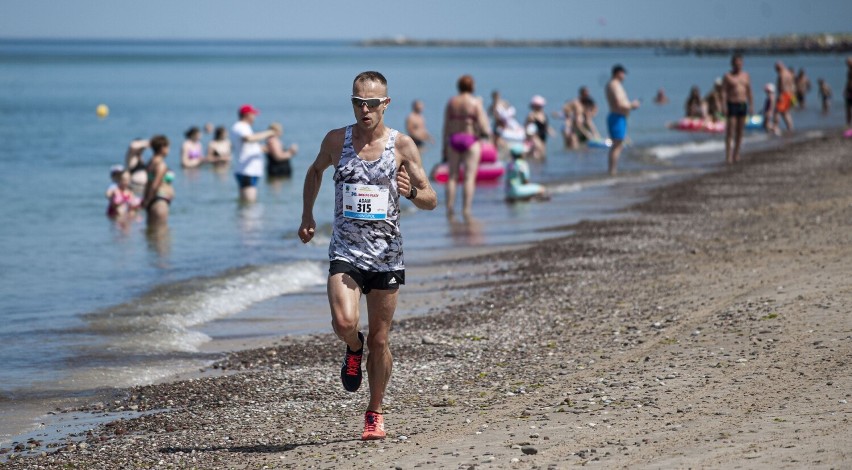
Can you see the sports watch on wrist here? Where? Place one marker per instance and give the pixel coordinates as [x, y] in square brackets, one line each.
[412, 194]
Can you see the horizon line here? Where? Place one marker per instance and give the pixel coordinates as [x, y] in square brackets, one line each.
[405, 38]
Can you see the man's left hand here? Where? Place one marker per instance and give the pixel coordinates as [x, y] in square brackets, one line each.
[403, 181]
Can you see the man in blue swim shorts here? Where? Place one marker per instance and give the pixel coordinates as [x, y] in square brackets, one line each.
[619, 109]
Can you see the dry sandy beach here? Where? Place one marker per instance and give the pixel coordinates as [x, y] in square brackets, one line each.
[708, 327]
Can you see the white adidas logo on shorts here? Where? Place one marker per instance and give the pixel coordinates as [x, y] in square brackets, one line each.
[392, 281]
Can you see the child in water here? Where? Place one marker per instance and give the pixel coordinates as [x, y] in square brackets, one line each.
[518, 186]
[122, 201]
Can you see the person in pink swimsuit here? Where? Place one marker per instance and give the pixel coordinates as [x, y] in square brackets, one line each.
[122, 201]
[465, 122]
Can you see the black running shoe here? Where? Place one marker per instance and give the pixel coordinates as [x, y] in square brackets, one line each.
[350, 373]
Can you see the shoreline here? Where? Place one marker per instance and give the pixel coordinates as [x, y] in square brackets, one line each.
[700, 329]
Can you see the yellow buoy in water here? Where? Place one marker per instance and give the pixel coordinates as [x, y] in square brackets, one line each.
[102, 111]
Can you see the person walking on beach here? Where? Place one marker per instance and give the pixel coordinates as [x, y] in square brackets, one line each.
[786, 87]
[464, 123]
[619, 109]
[158, 194]
[249, 152]
[415, 125]
[373, 166]
[737, 89]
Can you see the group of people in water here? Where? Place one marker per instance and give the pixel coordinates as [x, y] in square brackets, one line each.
[789, 92]
[137, 185]
[467, 125]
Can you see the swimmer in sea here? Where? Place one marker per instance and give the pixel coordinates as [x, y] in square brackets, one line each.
[465, 123]
[786, 87]
[158, 196]
[824, 95]
[694, 107]
[537, 122]
[769, 109]
[219, 149]
[191, 151]
[136, 165]
[847, 92]
[660, 98]
[415, 125]
[277, 157]
[803, 87]
[121, 201]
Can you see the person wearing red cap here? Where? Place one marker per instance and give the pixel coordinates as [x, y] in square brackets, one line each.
[248, 152]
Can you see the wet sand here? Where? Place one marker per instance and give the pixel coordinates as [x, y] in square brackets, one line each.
[711, 326]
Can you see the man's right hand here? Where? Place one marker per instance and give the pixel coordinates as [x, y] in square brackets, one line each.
[306, 230]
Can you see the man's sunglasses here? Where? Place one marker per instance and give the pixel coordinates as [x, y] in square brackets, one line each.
[358, 102]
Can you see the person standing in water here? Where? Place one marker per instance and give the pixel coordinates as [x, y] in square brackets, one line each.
[277, 157]
[158, 193]
[415, 125]
[135, 164]
[374, 166]
[465, 123]
[619, 109]
[786, 92]
[192, 151]
[847, 92]
[824, 90]
[737, 89]
[249, 152]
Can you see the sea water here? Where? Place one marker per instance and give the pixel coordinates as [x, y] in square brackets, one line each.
[87, 303]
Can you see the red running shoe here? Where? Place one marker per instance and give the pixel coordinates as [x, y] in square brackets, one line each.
[374, 426]
[350, 373]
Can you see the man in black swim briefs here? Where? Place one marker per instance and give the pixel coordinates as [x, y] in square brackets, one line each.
[737, 87]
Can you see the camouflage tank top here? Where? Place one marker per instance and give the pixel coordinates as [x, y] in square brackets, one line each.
[366, 210]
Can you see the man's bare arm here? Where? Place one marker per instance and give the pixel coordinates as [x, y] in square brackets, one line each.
[313, 181]
[411, 174]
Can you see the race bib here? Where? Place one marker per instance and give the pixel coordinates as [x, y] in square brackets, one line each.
[365, 201]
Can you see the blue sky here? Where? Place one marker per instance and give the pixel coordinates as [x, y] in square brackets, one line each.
[453, 19]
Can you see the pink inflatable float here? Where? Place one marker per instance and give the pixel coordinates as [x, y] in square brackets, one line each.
[490, 168]
[698, 125]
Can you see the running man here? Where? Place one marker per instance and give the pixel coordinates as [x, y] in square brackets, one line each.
[786, 92]
[619, 110]
[737, 87]
[373, 166]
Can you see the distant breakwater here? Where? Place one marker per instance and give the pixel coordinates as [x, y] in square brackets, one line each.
[770, 45]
